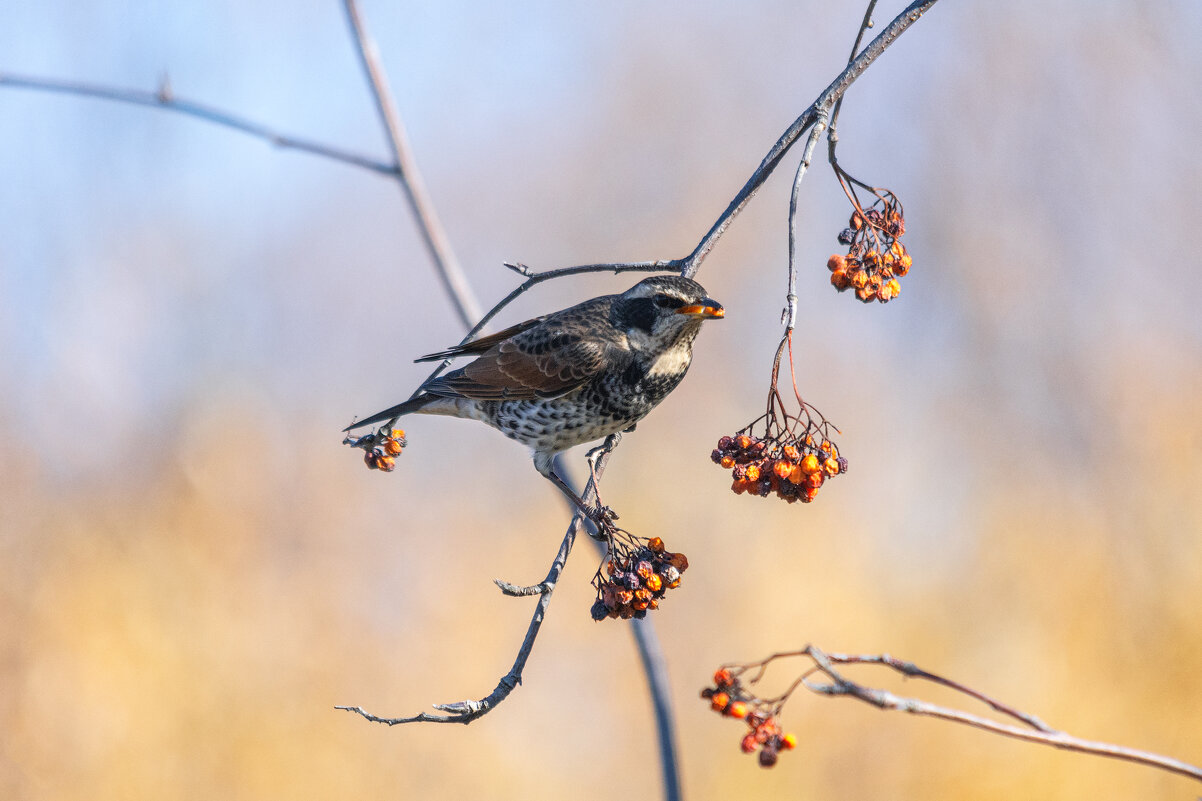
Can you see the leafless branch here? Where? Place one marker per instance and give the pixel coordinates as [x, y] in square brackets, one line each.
[165, 99]
[1028, 727]
[435, 239]
[467, 711]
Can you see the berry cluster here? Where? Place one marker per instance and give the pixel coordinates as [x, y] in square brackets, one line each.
[383, 455]
[791, 466]
[635, 577]
[731, 699]
[875, 258]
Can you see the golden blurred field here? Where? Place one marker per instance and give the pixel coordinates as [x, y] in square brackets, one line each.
[194, 571]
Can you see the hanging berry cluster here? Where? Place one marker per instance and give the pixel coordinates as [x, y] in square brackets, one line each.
[382, 448]
[731, 699]
[875, 258]
[792, 456]
[635, 576]
[783, 462]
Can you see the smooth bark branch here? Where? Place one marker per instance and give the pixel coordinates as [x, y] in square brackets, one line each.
[433, 236]
[1034, 730]
[166, 100]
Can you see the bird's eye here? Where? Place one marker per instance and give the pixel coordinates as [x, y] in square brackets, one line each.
[668, 302]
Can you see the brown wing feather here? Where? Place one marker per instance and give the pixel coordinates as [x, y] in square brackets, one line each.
[482, 344]
[542, 361]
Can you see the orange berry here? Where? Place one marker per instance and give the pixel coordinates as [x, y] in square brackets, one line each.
[858, 279]
[722, 678]
[737, 710]
[815, 479]
[738, 487]
[654, 582]
[808, 494]
[719, 701]
[894, 287]
[836, 263]
[656, 545]
[673, 584]
[856, 221]
[743, 442]
[865, 294]
[748, 745]
[727, 462]
[782, 468]
[679, 561]
[904, 264]
[639, 606]
[753, 472]
[386, 463]
[839, 280]
[795, 475]
[831, 466]
[393, 447]
[789, 741]
[809, 465]
[398, 433]
[791, 453]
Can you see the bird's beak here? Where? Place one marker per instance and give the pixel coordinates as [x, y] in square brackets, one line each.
[708, 308]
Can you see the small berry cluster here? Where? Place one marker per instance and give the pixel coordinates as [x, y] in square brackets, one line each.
[383, 455]
[731, 699]
[875, 258]
[792, 467]
[636, 576]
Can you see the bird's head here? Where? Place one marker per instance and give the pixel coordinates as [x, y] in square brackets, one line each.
[661, 311]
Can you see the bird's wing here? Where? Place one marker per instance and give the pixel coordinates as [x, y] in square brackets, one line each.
[482, 344]
[546, 360]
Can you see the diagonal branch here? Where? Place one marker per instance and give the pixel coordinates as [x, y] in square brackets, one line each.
[164, 98]
[1034, 730]
[433, 236]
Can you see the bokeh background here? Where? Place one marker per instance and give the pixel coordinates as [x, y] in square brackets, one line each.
[194, 571]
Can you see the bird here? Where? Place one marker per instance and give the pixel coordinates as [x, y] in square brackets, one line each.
[573, 376]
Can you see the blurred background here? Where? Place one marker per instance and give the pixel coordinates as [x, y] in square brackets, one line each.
[194, 571]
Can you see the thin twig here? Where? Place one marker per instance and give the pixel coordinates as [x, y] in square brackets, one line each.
[166, 100]
[433, 235]
[790, 314]
[1038, 733]
[467, 711]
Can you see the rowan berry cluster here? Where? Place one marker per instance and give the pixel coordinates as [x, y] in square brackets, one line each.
[794, 467]
[635, 577]
[383, 455]
[875, 258]
[731, 699]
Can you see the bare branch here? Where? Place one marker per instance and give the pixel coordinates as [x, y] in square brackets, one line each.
[166, 100]
[433, 236]
[1032, 729]
[467, 711]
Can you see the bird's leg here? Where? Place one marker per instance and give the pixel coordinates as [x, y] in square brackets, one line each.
[599, 515]
[592, 456]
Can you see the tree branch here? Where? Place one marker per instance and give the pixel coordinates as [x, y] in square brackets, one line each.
[433, 236]
[164, 98]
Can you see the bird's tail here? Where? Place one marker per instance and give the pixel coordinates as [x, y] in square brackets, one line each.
[408, 407]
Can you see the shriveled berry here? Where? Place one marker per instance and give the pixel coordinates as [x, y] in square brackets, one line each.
[679, 561]
[836, 263]
[768, 756]
[656, 545]
[809, 464]
[842, 464]
[749, 744]
[782, 468]
[599, 611]
[742, 442]
[716, 456]
[752, 472]
[727, 462]
[670, 574]
[725, 443]
[831, 466]
[392, 447]
[370, 458]
[719, 700]
[791, 453]
[386, 463]
[846, 236]
[723, 677]
[654, 582]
